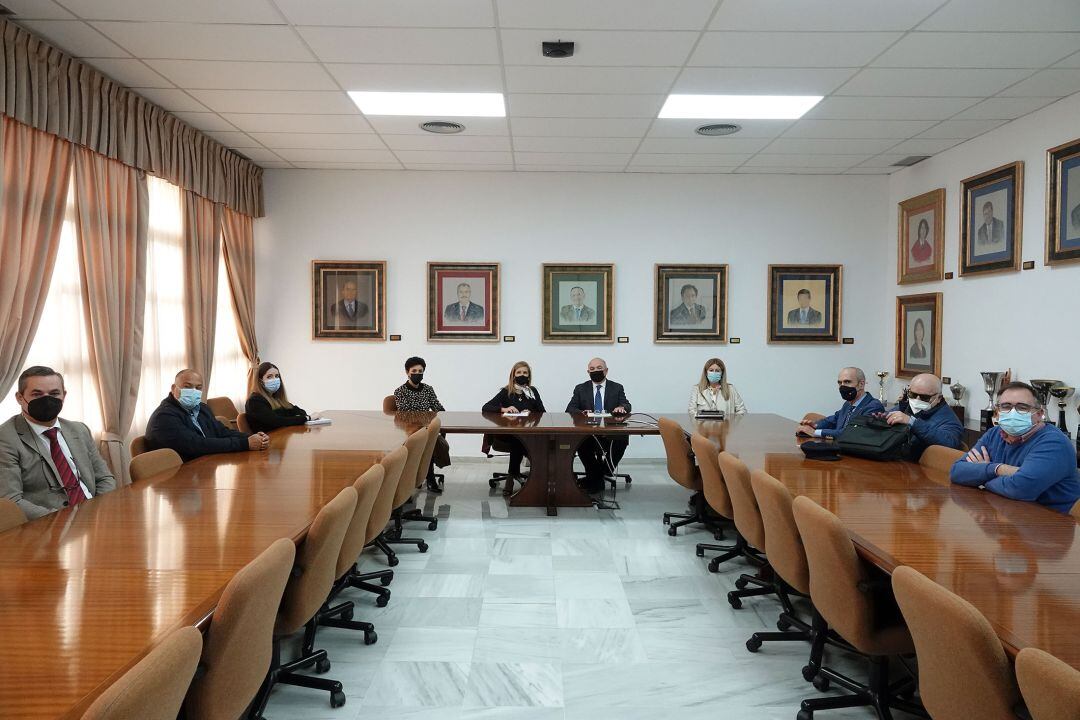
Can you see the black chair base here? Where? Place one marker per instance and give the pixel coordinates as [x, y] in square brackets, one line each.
[613, 479]
[741, 548]
[379, 543]
[360, 581]
[878, 693]
[392, 536]
[436, 482]
[507, 480]
[286, 673]
[417, 515]
[700, 514]
[341, 616]
[752, 586]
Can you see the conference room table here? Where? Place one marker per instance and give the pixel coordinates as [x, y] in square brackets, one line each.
[85, 592]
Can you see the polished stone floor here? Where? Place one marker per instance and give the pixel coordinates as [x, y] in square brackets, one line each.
[593, 615]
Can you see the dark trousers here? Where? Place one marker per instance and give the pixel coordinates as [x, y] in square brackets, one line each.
[510, 444]
[590, 454]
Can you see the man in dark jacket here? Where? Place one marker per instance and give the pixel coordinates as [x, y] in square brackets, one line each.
[599, 395]
[925, 412]
[182, 422]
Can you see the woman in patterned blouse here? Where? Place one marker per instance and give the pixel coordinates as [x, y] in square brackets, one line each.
[415, 396]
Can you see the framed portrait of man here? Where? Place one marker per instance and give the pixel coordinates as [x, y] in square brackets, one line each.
[804, 303]
[991, 209]
[921, 238]
[918, 335]
[463, 302]
[690, 304]
[578, 303]
[348, 300]
[1063, 203]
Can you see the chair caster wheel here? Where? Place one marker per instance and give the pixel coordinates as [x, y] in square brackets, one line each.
[718, 536]
[700, 552]
[629, 480]
[337, 699]
[371, 637]
[392, 561]
[433, 524]
[422, 547]
[741, 584]
[753, 644]
[714, 566]
[821, 683]
[672, 531]
[809, 672]
[805, 715]
[385, 580]
[347, 614]
[382, 600]
[734, 600]
[493, 484]
[667, 520]
[783, 625]
[323, 666]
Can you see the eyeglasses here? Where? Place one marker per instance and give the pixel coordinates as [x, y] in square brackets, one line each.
[912, 395]
[1019, 407]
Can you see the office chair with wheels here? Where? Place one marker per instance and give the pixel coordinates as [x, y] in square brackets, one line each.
[416, 445]
[242, 423]
[416, 514]
[392, 464]
[939, 457]
[138, 445]
[1050, 687]
[152, 463]
[751, 528]
[682, 469]
[11, 515]
[224, 407]
[389, 404]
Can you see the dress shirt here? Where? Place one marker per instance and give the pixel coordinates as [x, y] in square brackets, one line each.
[46, 447]
[803, 313]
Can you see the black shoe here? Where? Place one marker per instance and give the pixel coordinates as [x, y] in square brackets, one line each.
[433, 486]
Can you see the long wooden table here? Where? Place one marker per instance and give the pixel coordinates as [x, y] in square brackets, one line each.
[87, 591]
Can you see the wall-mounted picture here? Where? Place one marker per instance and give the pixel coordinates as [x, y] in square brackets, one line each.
[463, 302]
[991, 209]
[921, 238]
[1063, 203]
[691, 304]
[348, 300]
[579, 303]
[804, 303]
[918, 335]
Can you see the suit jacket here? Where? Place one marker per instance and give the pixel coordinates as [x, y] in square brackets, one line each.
[997, 233]
[682, 316]
[588, 315]
[342, 316]
[582, 399]
[519, 400]
[452, 313]
[835, 424]
[813, 317]
[170, 427]
[30, 478]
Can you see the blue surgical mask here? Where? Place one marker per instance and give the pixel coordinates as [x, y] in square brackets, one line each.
[190, 398]
[714, 377]
[272, 385]
[1015, 423]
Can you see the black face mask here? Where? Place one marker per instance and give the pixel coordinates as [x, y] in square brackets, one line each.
[597, 376]
[848, 392]
[521, 380]
[416, 378]
[45, 408]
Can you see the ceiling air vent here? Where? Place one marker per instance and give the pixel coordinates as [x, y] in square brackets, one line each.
[910, 160]
[442, 127]
[718, 130]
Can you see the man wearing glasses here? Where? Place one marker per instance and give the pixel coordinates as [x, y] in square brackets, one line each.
[929, 417]
[1022, 458]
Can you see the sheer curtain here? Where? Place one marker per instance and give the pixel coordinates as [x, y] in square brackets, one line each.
[230, 376]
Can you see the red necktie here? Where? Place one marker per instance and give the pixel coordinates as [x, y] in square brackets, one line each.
[462, 313]
[67, 475]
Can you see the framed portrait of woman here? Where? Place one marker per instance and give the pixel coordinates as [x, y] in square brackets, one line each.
[991, 222]
[1063, 203]
[918, 335]
[920, 242]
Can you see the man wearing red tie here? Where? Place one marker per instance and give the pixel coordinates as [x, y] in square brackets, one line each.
[47, 463]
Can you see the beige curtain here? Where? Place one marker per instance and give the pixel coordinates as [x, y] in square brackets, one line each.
[48, 90]
[35, 170]
[202, 252]
[111, 221]
[238, 245]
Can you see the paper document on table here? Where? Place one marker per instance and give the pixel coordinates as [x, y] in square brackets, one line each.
[599, 415]
[320, 421]
[523, 413]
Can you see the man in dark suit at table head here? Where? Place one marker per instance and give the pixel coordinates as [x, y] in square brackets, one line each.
[348, 311]
[804, 314]
[599, 395]
[47, 463]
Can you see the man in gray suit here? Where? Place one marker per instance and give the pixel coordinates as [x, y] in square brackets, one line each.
[577, 312]
[992, 231]
[46, 463]
[804, 314]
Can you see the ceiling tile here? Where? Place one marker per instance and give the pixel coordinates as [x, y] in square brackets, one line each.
[205, 121]
[418, 78]
[76, 38]
[979, 50]
[931, 83]
[1006, 15]
[824, 146]
[571, 168]
[129, 72]
[346, 141]
[624, 106]
[275, 101]
[200, 41]
[805, 161]
[457, 158]
[621, 48]
[605, 14]
[216, 74]
[869, 171]
[253, 12]
[398, 125]
[579, 127]
[818, 15]
[505, 167]
[790, 49]
[571, 158]
[924, 146]
[961, 129]
[574, 144]
[452, 143]
[402, 45]
[845, 129]
[261, 155]
[702, 145]
[233, 139]
[690, 159]
[172, 100]
[762, 81]
[337, 156]
[886, 160]
[317, 165]
[680, 170]
[889, 108]
[390, 13]
[36, 10]
[1056, 81]
[782, 170]
[1073, 61]
[1005, 108]
[254, 122]
[569, 79]
[671, 128]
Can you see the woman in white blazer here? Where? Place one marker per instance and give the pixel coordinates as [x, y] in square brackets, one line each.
[714, 392]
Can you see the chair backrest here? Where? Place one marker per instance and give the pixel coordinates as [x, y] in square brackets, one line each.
[680, 463]
[389, 404]
[747, 514]
[138, 445]
[153, 462]
[1075, 510]
[393, 463]
[367, 488]
[963, 671]
[783, 544]
[812, 417]
[240, 640]
[1051, 688]
[416, 444]
[316, 561]
[712, 481]
[154, 688]
[11, 515]
[223, 407]
[242, 423]
[939, 457]
[433, 429]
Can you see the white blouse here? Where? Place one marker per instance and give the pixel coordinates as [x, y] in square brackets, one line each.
[709, 399]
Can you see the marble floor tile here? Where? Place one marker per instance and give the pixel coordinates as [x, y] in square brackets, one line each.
[441, 612]
[520, 588]
[448, 586]
[587, 546]
[496, 613]
[521, 565]
[511, 713]
[432, 644]
[431, 684]
[589, 586]
[593, 613]
[577, 564]
[601, 645]
[670, 613]
[659, 588]
[514, 685]
[518, 644]
[508, 547]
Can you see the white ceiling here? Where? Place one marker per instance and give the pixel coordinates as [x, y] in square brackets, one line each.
[268, 77]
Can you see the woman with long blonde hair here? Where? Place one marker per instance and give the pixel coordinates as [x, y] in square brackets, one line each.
[518, 395]
[714, 392]
[268, 407]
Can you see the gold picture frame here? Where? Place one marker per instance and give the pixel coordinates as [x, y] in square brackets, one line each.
[1063, 203]
[678, 316]
[920, 238]
[821, 286]
[463, 302]
[994, 244]
[915, 353]
[578, 303]
[348, 300]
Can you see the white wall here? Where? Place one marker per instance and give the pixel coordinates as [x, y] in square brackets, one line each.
[524, 219]
[1025, 320]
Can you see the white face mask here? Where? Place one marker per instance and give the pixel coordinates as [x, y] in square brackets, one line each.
[917, 406]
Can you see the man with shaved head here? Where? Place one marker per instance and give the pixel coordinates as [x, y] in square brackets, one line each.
[925, 412]
[599, 455]
[852, 385]
[184, 423]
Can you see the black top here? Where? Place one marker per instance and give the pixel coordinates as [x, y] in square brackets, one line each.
[263, 418]
[582, 399]
[519, 400]
[170, 426]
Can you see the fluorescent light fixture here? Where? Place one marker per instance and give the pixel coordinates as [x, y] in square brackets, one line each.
[738, 107]
[430, 103]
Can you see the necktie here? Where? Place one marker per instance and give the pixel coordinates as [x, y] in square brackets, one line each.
[577, 316]
[462, 312]
[67, 475]
[598, 401]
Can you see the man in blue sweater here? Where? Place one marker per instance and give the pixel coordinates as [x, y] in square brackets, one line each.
[928, 416]
[1022, 458]
[852, 384]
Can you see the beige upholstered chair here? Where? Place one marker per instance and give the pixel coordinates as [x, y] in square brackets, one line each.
[750, 527]
[1051, 688]
[11, 515]
[810, 418]
[393, 464]
[963, 670]
[153, 462]
[138, 445]
[307, 589]
[860, 609]
[939, 457]
[416, 445]
[223, 407]
[389, 404]
[1075, 510]
[242, 423]
[714, 490]
[154, 688]
[682, 469]
[240, 640]
[433, 429]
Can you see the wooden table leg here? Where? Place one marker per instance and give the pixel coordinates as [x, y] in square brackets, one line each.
[551, 481]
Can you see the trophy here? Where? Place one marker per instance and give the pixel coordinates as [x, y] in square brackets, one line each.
[1062, 392]
[882, 374]
[1042, 392]
[991, 383]
[957, 391]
